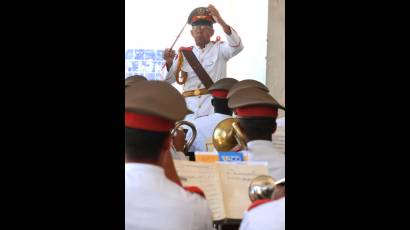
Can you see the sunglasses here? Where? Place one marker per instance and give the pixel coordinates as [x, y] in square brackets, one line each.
[202, 27]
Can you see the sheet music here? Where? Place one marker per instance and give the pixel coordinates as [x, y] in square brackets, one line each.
[206, 177]
[235, 179]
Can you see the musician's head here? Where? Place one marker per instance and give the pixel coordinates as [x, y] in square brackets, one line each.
[149, 118]
[256, 111]
[202, 26]
[219, 90]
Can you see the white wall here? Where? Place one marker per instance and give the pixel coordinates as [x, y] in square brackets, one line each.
[275, 71]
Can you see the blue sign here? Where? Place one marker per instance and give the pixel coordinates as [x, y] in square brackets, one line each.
[230, 156]
[146, 62]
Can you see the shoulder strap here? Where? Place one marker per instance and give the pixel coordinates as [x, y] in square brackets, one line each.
[197, 67]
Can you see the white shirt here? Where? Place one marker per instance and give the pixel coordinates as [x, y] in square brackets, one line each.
[154, 202]
[213, 57]
[177, 155]
[205, 128]
[280, 122]
[268, 216]
[261, 150]
[278, 137]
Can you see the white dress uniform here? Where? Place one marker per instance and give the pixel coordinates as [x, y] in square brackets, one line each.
[205, 128]
[213, 58]
[278, 137]
[268, 216]
[280, 122]
[262, 150]
[177, 155]
[154, 202]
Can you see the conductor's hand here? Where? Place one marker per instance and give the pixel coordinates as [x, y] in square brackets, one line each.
[214, 13]
[169, 56]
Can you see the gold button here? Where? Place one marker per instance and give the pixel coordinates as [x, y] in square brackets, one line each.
[197, 92]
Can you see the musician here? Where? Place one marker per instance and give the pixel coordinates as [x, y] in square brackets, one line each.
[178, 140]
[211, 55]
[267, 214]
[205, 125]
[257, 111]
[154, 198]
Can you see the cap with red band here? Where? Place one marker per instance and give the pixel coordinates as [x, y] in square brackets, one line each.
[247, 83]
[148, 122]
[219, 93]
[221, 88]
[200, 14]
[254, 102]
[154, 106]
[257, 111]
[201, 17]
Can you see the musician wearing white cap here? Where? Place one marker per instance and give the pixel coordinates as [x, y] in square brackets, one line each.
[207, 60]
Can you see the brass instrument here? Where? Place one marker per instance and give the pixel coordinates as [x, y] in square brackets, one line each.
[261, 187]
[189, 143]
[227, 134]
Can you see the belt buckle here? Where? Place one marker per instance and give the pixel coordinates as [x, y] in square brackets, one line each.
[197, 92]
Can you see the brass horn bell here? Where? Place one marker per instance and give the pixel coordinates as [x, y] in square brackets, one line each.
[189, 143]
[228, 135]
[261, 187]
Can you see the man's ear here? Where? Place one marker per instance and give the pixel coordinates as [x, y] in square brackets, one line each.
[167, 143]
[274, 128]
[212, 102]
[192, 33]
[166, 146]
[212, 33]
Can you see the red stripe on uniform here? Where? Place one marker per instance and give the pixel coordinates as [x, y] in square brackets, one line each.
[258, 202]
[195, 189]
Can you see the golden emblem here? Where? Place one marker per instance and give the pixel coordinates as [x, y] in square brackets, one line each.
[197, 92]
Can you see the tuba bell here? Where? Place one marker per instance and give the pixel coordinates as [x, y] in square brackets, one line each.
[228, 135]
[261, 187]
[189, 143]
